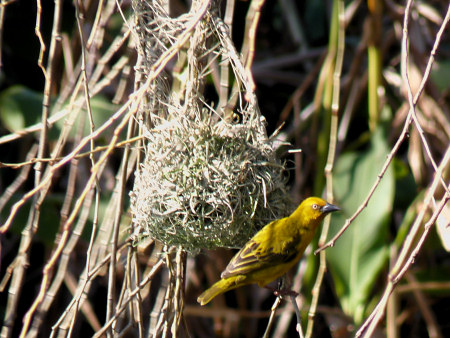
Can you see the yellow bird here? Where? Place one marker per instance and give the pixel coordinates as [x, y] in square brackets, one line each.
[273, 250]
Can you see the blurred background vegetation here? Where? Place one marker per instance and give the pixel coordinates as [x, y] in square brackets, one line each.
[340, 80]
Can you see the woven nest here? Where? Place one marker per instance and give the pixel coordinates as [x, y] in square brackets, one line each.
[205, 182]
[201, 187]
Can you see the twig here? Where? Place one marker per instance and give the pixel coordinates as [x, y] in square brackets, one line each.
[238, 66]
[86, 308]
[364, 204]
[410, 117]
[95, 26]
[34, 214]
[285, 318]
[272, 316]
[117, 217]
[404, 261]
[392, 307]
[81, 288]
[146, 280]
[37, 31]
[62, 265]
[433, 328]
[248, 50]
[179, 292]
[98, 247]
[167, 309]
[20, 179]
[424, 286]
[156, 318]
[138, 300]
[330, 161]
[91, 121]
[413, 100]
[3, 4]
[224, 67]
[122, 178]
[65, 256]
[298, 315]
[29, 161]
[64, 236]
[309, 80]
[133, 102]
[294, 24]
[68, 110]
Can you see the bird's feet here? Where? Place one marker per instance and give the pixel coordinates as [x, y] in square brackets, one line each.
[282, 292]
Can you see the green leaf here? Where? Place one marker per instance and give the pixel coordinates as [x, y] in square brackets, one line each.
[102, 109]
[48, 220]
[20, 107]
[440, 74]
[405, 185]
[362, 251]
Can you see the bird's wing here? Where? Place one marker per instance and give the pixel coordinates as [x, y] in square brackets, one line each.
[257, 255]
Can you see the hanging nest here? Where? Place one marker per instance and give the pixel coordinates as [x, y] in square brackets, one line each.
[206, 181]
[202, 187]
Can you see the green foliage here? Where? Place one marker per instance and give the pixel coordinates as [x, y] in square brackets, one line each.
[20, 107]
[48, 219]
[440, 74]
[50, 213]
[405, 185]
[101, 109]
[361, 253]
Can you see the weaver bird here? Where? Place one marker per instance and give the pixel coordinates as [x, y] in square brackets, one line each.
[273, 250]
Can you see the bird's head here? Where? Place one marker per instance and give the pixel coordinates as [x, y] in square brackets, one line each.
[313, 210]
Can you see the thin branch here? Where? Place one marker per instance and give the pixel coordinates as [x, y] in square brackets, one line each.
[92, 273]
[298, 327]
[330, 161]
[30, 161]
[410, 117]
[52, 261]
[224, 66]
[272, 316]
[413, 100]
[433, 328]
[132, 102]
[248, 50]
[144, 282]
[406, 256]
[390, 157]
[20, 179]
[118, 214]
[34, 214]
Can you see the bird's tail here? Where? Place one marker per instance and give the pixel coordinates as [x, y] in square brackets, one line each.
[219, 287]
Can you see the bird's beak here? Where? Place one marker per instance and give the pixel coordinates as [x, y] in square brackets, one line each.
[327, 208]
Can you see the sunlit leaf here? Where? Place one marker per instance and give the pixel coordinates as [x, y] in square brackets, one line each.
[360, 254]
[20, 107]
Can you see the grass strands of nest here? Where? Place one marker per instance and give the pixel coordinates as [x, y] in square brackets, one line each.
[206, 186]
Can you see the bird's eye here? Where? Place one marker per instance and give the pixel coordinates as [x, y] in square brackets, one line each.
[315, 206]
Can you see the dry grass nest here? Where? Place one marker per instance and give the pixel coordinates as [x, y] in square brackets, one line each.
[206, 185]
